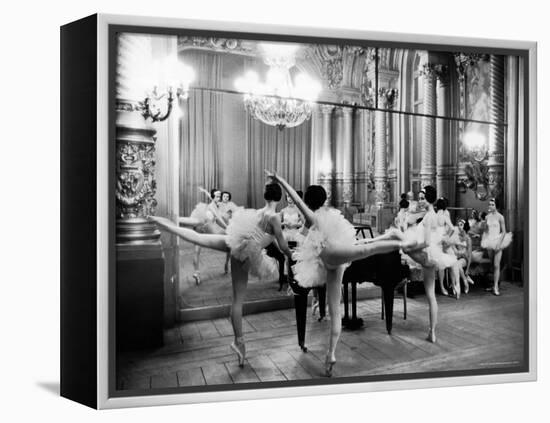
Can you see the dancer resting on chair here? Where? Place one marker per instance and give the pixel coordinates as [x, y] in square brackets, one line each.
[329, 247]
[206, 219]
[248, 233]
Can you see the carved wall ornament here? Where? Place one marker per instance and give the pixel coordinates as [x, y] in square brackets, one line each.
[135, 179]
[216, 44]
[333, 72]
[388, 96]
[434, 69]
[465, 60]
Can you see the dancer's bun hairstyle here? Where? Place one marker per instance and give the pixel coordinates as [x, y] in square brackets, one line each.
[315, 197]
[273, 192]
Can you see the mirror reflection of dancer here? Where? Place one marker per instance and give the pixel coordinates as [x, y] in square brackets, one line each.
[248, 233]
[495, 239]
[445, 228]
[329, 247]
[206, 219]
[227, 209]
[432, 256]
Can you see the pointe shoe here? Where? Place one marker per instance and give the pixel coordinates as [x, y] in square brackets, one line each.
[466, 288]
[329, 364]
[496, 292]
[431, 337]
[240, 350]
[444, 292]
[197, 278]
[470, 280]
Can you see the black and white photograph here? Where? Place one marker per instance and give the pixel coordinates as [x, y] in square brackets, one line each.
[299, 211]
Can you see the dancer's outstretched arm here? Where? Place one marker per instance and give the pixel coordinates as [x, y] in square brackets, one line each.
[308, 214]
[214, 242]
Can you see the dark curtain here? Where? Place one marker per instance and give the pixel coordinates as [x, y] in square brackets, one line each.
[201, 125]
[286, 151]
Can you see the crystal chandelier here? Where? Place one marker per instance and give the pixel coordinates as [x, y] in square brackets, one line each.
[279, 102]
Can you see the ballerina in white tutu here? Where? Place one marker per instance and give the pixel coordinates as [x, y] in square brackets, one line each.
[445, 229]
[432, 256]
[495, 239]
[329, 247]
[206, 219]
[247, 235]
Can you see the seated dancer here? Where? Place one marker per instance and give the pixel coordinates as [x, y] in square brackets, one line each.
[494, 240]
[206, 219]
[432, 256]
[327, 250]
[227, 208]
[462, 246]
[248, 233]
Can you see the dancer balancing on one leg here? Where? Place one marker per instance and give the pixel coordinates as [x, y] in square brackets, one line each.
[432, 256]
[328, 249]
[248, 233]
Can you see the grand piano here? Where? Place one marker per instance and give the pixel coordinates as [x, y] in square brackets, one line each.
[384, 270]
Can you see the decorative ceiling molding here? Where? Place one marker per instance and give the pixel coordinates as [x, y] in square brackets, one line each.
[221, 45]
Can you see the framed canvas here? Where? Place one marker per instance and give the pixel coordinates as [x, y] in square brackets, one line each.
[254, 211]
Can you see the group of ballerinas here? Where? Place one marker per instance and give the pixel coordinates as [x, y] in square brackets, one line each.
[210, 218]
[456, 242]
[328, 247]
[322, 257]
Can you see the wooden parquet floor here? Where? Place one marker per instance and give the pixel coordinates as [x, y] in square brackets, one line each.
[477, 332]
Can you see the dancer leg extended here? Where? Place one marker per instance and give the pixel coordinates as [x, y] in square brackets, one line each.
[212, 241]
[335, 255]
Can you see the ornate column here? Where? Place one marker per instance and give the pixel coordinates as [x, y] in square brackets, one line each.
[135, 146]
[386, 99]
[495, 161]
[428, 161]
[347, 155]
[140, 261]
[445, 170]
[380, 164]
[326, 165]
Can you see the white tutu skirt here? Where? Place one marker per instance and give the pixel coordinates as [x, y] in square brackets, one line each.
[199, 213]
[431, 256]
[243, 238]
[489, 242]
[331, 227]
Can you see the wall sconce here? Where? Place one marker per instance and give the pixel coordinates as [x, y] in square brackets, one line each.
[175, 79]
[476, 171]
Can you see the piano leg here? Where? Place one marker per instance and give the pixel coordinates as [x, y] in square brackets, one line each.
[345, 319]
[322, 293]
[354, 323]
[388, 292]
[300, 305]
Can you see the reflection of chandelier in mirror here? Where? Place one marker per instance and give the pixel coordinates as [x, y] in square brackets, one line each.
[171, 79]
[279, 102]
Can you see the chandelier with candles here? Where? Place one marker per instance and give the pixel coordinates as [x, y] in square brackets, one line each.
[279, 101]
